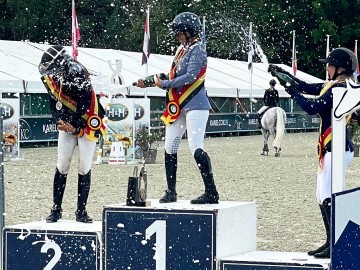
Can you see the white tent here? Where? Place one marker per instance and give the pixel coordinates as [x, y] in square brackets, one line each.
[224, 78]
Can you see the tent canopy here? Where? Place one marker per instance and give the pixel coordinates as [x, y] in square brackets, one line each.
[225, 78]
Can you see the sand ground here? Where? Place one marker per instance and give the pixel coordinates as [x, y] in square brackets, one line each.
[288, 217]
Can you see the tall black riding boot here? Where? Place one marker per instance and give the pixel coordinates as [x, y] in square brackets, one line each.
[83, 194]
[325, 253]
[58, 194]
[170, 168]
[259, 120]
[211, 195]
[327, 228]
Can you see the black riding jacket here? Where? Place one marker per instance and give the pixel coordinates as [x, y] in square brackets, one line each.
[271, 98]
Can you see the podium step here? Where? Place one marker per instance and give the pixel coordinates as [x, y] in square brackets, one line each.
[269, 260]
[177, 235]
[65, 244]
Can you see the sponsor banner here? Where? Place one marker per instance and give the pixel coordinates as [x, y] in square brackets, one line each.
[125, 118]
[37, 129]
[238, 122]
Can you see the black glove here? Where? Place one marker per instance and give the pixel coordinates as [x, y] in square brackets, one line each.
[283, 76]
[273, 69]
[291, 88]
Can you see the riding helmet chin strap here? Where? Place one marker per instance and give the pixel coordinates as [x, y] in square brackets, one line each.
[337, 73]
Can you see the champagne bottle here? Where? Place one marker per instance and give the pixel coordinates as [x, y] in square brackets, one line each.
[283, 77]
[149, 81]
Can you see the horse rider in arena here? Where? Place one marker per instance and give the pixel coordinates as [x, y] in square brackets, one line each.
[187, 107]
[271, 99]
[78, 114]
[341, 66]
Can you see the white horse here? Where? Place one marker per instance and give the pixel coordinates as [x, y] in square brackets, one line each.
[273, 123]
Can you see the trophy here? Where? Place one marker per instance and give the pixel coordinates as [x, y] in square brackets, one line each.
[137, 188]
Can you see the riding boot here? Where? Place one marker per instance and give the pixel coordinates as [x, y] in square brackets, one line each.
[211, 196]
[58, 194]
[259, 116]
[170, 169]
[83, 194]
[325, 253]
[327, 228]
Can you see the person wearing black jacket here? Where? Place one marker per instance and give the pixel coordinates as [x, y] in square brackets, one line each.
[78, 115]
[341, 66]
[271, 99]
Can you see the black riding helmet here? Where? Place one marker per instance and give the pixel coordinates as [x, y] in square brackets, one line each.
[53, 58]
[272, 82]
[186, 22]
[342, 57]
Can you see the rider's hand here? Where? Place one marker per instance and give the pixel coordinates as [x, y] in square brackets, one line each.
[65, 126]
[140, 83]
[158, 81]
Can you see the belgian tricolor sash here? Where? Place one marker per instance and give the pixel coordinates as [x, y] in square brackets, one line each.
[325, 138]
[176, 101]
[94, 124]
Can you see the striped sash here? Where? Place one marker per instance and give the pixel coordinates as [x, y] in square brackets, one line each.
[94, 124]
[176, 101]
[325, 138]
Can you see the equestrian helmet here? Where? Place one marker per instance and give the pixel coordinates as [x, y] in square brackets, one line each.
[53, 58]
[186, 22]
[272, 82]
[342, 57]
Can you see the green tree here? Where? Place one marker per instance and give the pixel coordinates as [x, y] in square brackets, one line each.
[120, 25]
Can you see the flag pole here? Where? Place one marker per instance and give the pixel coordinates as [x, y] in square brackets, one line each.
[250, 64]
[294, 67]
[75, 32]
[327, 53]
[203, 37]
[146, 40]
[357, 71]
[294, 60]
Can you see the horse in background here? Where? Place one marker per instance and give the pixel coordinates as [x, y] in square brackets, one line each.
[273, 123]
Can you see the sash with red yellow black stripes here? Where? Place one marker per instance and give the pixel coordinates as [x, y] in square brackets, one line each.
[176, 101]
[325, 138]
[94, 124]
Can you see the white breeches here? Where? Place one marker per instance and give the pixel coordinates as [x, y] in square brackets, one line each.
[262, 109]
[323, 189]
[195, 123]
[66, 147]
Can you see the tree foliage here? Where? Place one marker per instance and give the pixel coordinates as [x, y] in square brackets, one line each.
[120, 24]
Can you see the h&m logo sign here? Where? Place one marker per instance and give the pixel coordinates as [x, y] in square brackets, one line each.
[7, 111]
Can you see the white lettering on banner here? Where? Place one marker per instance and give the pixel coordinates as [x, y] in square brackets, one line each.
[139, 112]
[253, 121]
[25, 130]
[220, 122]
[291, 120]
[25, 133]
[315, 120]
[49, 128]
[7, 112]
[120, 112]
